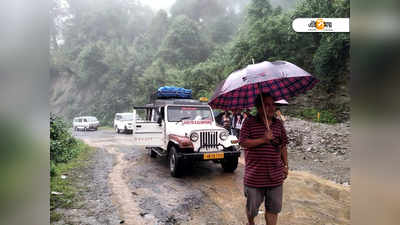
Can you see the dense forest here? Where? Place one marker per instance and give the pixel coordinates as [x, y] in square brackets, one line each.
[108, 55]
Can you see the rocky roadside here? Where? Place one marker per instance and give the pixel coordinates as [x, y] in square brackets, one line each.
[93, 201]
[322, 149]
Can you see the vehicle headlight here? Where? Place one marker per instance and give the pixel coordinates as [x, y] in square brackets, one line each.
[223, 135]
[194, 137]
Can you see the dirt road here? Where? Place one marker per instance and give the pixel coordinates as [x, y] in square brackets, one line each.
[124, 185]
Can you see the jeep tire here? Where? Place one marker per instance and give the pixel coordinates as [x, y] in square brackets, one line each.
[175, 165]
[153, 154]
[230, 165]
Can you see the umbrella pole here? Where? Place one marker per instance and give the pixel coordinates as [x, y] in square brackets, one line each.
[265, 113]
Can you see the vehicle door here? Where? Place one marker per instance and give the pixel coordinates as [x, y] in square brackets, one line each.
[117, 121]
[85, 123]
[147, 132]
[79, 123]
[75, 123]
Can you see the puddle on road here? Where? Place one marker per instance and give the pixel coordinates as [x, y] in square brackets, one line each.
[307, 200]
[206, 195]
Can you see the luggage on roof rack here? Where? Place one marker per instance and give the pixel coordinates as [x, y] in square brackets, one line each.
[173, 92]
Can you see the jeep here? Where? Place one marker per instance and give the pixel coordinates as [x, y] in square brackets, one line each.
[123, 122]
[184, 130]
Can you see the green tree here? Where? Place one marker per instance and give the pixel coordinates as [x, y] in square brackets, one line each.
[184, 44]
[158, 27]
[91, 65]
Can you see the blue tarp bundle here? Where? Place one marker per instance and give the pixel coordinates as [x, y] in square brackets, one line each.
[173, 92]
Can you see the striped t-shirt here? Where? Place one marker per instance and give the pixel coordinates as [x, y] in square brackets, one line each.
[264, 167]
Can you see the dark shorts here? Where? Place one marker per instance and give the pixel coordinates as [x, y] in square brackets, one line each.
[255, 196]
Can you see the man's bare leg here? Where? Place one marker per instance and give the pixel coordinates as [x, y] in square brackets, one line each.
[250, 219]
[271, 218]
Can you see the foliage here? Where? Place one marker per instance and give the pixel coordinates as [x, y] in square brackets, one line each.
[158, 27]
[66, 153]
[203, 77]
[184, 45]
[63, 147]
[312, 114]
[120, 52]
[66, 186]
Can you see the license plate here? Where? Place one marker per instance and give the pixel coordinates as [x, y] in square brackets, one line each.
[219, 155]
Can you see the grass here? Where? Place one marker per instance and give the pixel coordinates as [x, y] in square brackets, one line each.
[66, 186]
[311, 114]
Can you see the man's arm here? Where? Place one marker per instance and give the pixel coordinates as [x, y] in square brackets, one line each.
[285, 160]
[284, 155]
[251, 143]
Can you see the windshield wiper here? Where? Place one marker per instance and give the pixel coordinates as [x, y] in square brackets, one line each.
[183, 118]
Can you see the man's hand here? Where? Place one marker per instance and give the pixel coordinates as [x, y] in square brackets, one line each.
[268, 136]
[285, 171]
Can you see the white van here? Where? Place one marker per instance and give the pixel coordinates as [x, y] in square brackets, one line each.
[85, 123]
[123, 122]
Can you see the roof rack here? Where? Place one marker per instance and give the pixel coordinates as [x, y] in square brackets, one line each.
[177, 101]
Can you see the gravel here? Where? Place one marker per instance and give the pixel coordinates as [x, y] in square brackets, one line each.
[322, 149]
[93, 204]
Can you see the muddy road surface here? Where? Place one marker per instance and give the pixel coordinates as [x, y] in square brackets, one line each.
[124, 185]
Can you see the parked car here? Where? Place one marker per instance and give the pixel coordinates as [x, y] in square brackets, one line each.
[123, 122]
[85, 123]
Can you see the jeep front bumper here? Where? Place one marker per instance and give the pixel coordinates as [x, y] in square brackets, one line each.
[199, 156]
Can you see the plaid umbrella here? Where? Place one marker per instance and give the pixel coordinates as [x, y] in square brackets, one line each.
[280, 79]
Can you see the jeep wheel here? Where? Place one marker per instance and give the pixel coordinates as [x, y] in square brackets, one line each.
[175, 165]
[153, 154]
[230, 165]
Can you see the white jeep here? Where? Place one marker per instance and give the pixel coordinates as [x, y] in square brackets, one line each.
[184, 130]
[123, 122]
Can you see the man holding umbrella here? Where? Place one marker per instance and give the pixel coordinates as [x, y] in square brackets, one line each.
[265, 170]
[263, 137]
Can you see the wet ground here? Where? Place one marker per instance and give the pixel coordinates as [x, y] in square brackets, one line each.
[123, 185]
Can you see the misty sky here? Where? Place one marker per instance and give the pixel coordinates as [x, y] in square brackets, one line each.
[158, 4]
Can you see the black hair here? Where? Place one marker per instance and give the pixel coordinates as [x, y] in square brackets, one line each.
[258, 103]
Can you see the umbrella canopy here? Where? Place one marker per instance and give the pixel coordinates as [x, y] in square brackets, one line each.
[280, 79]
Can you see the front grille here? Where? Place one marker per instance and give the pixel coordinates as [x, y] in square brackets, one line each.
[208, 140]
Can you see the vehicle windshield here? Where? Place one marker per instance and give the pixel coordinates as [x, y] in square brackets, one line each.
[127, 116]
[179, 113]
